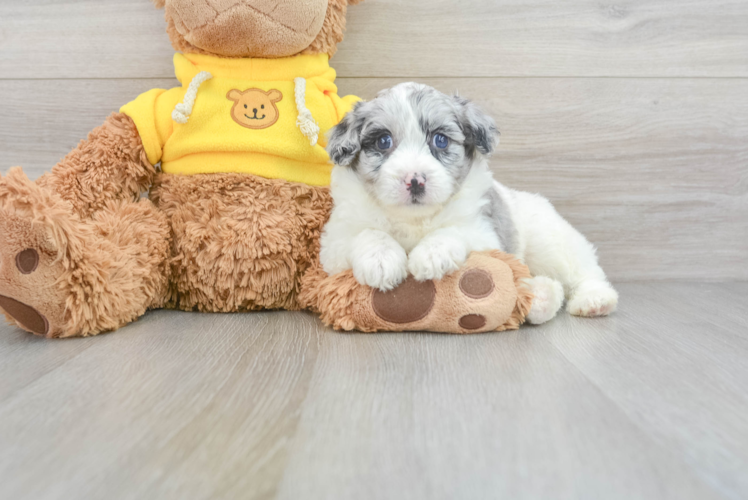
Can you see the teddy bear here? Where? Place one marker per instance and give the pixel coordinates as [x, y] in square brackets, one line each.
[234, 166]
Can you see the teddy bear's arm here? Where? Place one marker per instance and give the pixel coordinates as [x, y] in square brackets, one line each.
[489, 292]
[111, 164]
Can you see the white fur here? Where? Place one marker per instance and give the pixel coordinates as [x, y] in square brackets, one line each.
[437, 240]
[551, 247]
[548, 299]
[377, 230]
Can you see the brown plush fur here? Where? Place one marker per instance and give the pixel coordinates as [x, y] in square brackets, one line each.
[325, 42]
[240, 242]
[94, 274]
[332, 30]
[218, 242]
[110, 165]
[344, 304]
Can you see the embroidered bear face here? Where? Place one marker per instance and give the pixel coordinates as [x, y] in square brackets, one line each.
[255, 108]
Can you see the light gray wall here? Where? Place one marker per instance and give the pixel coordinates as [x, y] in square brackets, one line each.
[631, 118]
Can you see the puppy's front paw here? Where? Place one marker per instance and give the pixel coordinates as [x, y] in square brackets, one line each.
[434, 259]
[382, 266]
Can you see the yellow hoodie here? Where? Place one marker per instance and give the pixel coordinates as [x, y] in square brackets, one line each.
[266, 117]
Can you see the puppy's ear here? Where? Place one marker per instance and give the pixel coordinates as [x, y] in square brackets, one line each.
[159, 3]
[344, 141]
[479, 128]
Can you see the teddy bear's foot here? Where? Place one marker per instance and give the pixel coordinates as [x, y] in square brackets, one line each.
[28, 270]
[61, 276]
[29, 267]
[487, 294]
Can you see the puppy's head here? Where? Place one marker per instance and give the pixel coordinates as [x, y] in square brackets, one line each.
[412, 146]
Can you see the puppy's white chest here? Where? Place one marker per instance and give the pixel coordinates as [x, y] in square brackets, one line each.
[409, 234]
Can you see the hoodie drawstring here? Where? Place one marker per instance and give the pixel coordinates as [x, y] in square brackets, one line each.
[183, 110]
[305, 120]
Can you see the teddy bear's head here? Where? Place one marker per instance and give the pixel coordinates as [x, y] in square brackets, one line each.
[255, 28]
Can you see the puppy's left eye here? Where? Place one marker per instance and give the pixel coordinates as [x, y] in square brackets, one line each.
[440, 141]
[384, 142]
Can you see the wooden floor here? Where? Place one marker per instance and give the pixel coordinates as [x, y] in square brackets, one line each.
[631, 117]
[650, 403]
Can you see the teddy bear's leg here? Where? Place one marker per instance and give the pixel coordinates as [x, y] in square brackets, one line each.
[110, 164]
[488, 293]
[241, 242]
[62, 275]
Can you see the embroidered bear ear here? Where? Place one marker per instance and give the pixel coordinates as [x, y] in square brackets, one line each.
[234, 95]
[275, 95]
[159, 3]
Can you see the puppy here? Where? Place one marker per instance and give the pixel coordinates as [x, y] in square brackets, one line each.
[413, 193]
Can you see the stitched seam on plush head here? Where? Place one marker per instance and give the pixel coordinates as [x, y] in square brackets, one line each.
[233, 7]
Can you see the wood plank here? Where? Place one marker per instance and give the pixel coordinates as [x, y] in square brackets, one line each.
[653, 171]
[187, 405]
[427, 38]
[647, 404]
[505, 416]
[413, 39]
[16, 372]
[83, 39]
[677, 367]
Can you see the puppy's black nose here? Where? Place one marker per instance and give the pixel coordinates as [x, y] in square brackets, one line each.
[416, 188]
[254, 110]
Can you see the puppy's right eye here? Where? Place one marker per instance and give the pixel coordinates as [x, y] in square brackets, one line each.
[440, 141]
[384, 142]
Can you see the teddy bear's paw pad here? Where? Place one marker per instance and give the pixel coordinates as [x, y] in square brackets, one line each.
[25, 315]
[472, 321]
[411, 301]
[29, 272]
[481, 297]
[29, 318]
[476, 284]
[27, 261]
